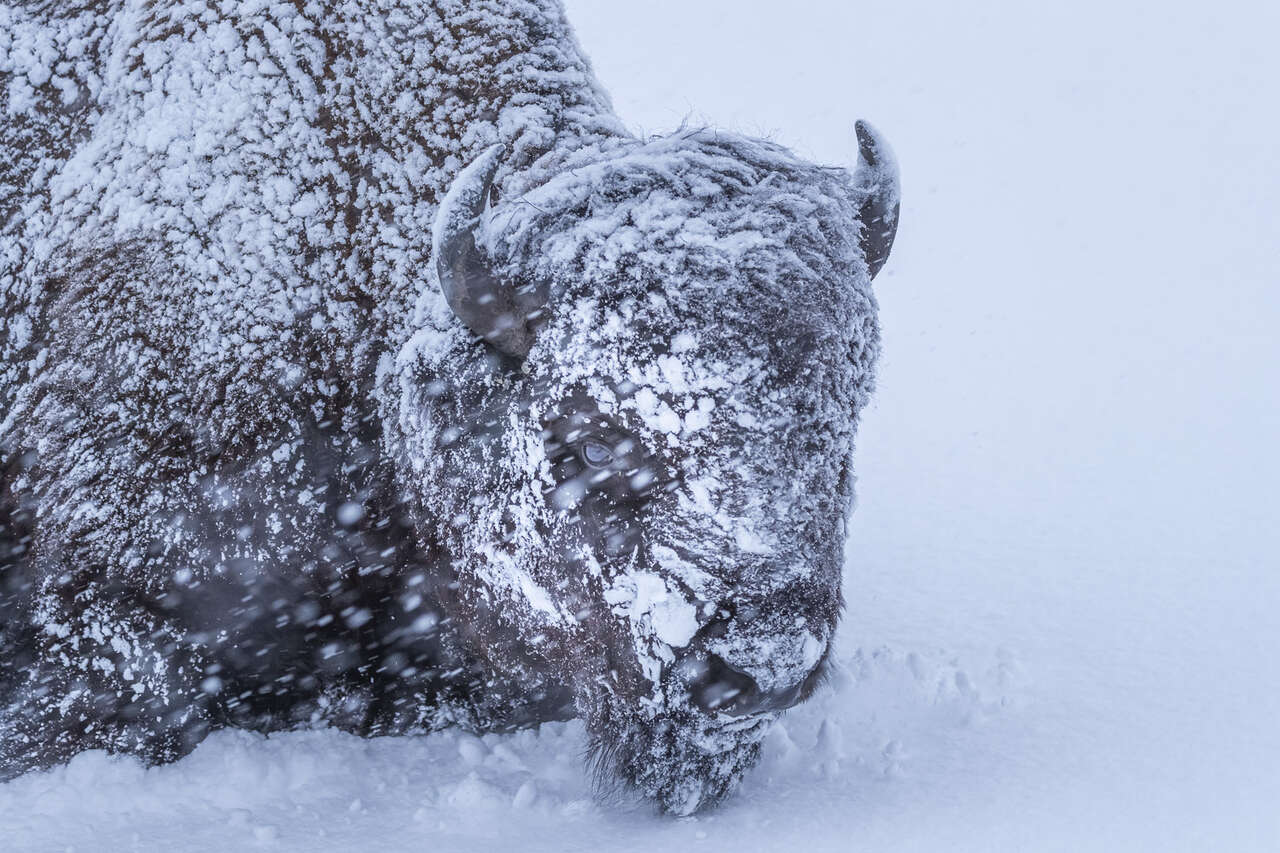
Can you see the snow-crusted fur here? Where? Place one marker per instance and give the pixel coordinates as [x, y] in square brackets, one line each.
[256, 473]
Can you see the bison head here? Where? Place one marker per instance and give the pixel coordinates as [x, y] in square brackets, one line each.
[636, 445]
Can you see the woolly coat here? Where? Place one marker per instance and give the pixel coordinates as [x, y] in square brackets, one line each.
[231, 394]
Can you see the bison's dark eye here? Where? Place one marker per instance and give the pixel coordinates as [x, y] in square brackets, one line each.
[596, 454]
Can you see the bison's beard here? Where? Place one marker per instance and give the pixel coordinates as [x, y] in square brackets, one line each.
[684, 760]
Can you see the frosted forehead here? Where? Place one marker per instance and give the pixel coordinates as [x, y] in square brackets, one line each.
[684, 215]
[690, 265]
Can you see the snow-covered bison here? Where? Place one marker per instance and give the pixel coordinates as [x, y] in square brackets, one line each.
[360, 369]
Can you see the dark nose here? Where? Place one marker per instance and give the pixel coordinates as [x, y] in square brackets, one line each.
[716, 687]
[719, 688]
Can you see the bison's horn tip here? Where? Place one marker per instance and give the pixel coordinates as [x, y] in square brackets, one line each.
[877, 181]
[871, 145]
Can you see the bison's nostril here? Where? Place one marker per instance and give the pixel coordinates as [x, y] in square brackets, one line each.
[720, 688]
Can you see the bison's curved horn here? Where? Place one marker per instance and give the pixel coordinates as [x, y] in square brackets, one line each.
[877, 179]
[490, 307]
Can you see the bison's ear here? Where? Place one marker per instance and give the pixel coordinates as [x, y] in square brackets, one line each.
[877, 180]
[494, 309]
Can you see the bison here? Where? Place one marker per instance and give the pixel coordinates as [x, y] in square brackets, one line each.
[359, 368]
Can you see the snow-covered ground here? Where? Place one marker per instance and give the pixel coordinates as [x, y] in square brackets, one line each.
[1064, 573]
